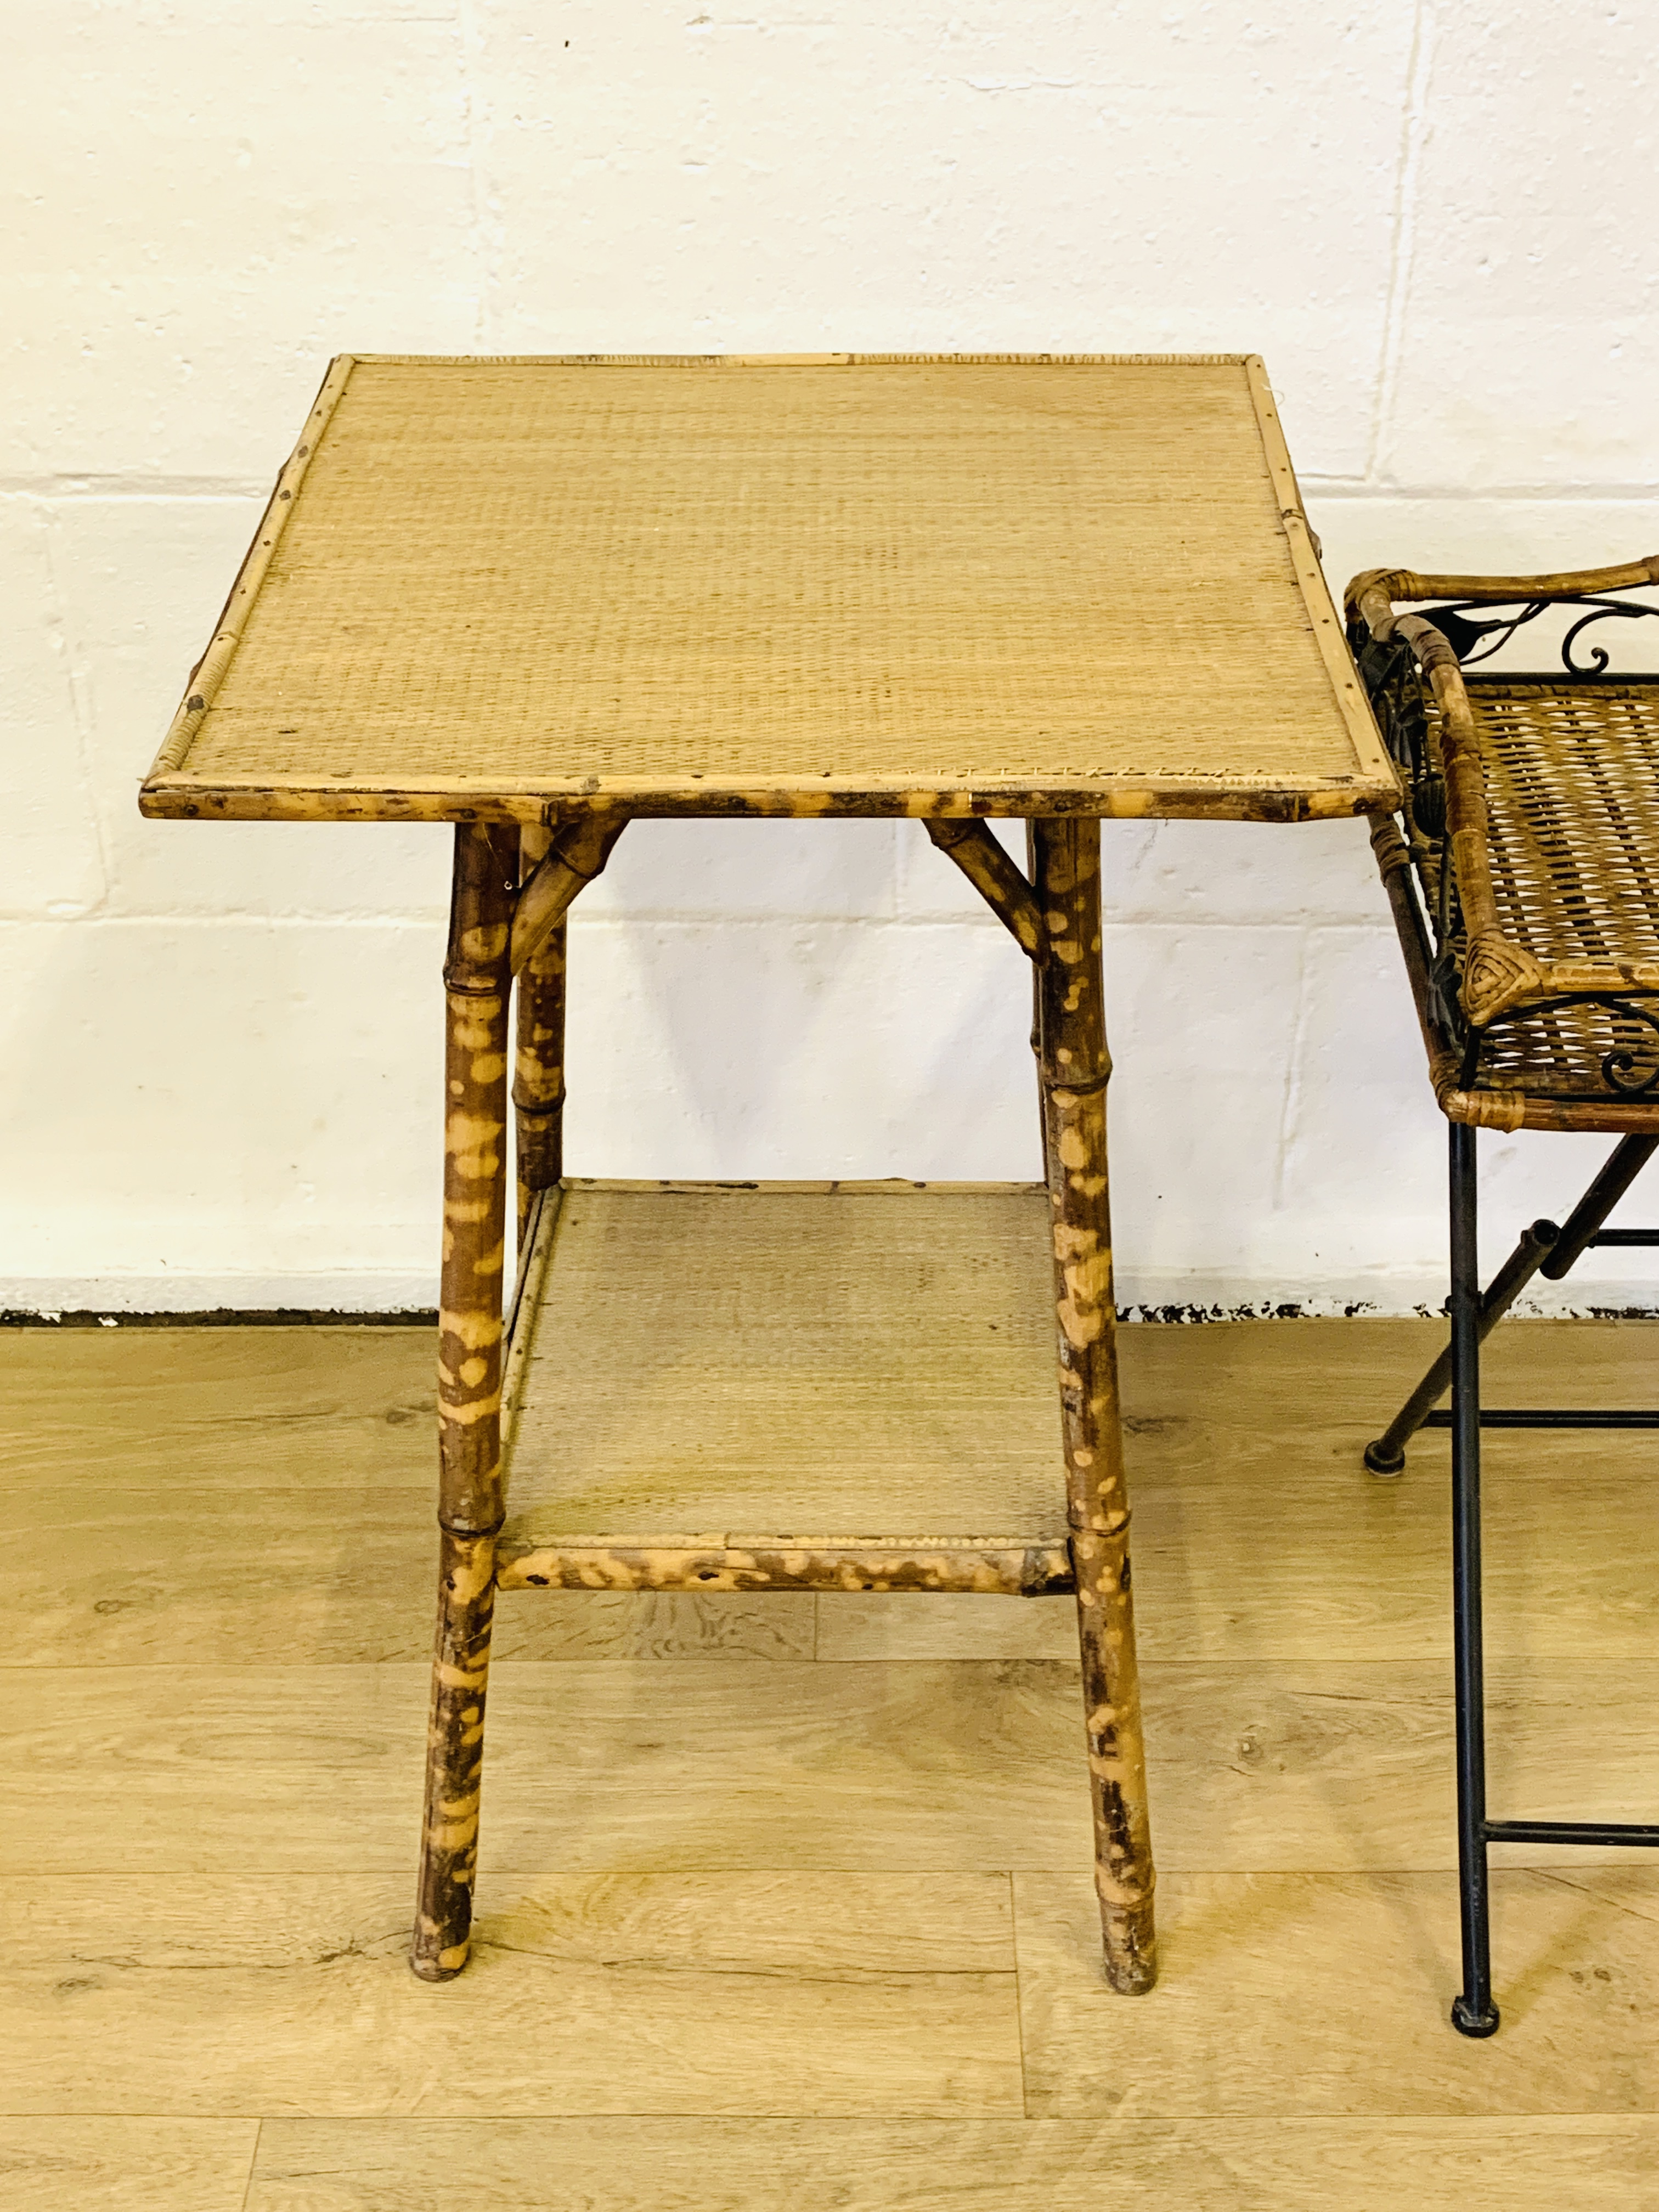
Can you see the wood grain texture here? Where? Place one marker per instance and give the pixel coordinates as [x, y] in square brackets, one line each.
[856, 1627]
[1256, 1534]
[1326, 1995]
[99, 2162]
[622, 1993]
[239, 1815]
[234, 1408]
[205, 1577]
[956, 1764]
[294, 1408]
[1471, 2165]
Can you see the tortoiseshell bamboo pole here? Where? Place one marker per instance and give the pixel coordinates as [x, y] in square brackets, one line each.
[1075, 1068]
[538, 1063]
[575, 856]
[992, 875]
[1036, 1008]
[477, 982]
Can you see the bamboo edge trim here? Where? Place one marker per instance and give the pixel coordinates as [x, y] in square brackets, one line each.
[175, 797]
[525, 1318]
[1372, 755]
[209, 671]
[1510, 1110]
[802, 360]
[1486, 948]
[520, 1544]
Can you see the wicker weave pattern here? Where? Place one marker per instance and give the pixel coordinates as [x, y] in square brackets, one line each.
[1572, 797]
[1548, 928]
[882, 580]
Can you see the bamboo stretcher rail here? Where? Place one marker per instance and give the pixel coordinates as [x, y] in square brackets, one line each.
[1004, 1568]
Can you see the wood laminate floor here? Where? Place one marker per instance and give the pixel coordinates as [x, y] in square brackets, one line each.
[785, 1901]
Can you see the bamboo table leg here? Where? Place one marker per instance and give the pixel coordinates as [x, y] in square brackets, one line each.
[539, 1066]
[1074, 1067]
[477, 981]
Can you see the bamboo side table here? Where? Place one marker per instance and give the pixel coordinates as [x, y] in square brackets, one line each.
[537, 599]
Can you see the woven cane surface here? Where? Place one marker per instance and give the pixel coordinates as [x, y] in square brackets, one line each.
[1572, 775]
[851, 586]
[874, 1363]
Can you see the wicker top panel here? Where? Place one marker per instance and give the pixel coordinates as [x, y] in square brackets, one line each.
[1572, 777]
[1572, 798]
[837, 586]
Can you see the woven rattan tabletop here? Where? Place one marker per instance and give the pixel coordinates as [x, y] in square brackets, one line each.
[492, 589]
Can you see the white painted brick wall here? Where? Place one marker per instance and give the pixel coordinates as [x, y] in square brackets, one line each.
[220, 1043]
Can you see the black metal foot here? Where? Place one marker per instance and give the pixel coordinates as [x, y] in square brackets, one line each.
[1477, 2024]
[1382, 1462]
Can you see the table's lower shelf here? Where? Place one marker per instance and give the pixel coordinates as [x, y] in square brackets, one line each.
[705, 1378]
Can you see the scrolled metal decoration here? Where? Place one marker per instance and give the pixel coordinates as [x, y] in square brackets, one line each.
[1623, 1067]
[1619, 1065]
[1601, 610]
[1477, 642]
[1464, 637]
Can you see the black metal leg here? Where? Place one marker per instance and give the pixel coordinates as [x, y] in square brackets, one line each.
[1583, 1226]
[1474, 2012]
[1473, 1316]
[1387, 1454]
[1542, 1248]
